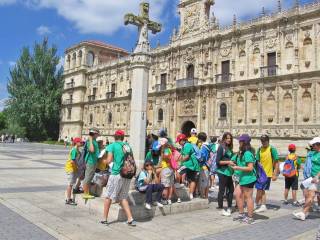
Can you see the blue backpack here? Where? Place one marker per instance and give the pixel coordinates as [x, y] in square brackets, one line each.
[197, 152]
[307, 166]
[262, 177]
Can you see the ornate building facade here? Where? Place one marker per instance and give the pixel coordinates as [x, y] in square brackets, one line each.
[260, 76]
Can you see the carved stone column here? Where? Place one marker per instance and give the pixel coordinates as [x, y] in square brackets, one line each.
[295, 88]
[260, 92]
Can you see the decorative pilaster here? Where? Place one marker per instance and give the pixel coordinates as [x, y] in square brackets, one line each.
[295, 88]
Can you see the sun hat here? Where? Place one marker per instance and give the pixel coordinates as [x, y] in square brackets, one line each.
[163, 141]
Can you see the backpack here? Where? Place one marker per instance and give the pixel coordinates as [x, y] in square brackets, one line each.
[174, 159]
[262, 177]
[211, 162]
[81, 161]
[288, 168]
[197, 152]
[129, 168]
[308, 165]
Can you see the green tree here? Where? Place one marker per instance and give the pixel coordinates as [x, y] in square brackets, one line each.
[35, 88]
[3, 120]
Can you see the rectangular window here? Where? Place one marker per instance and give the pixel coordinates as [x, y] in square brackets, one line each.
[163, 81]
[69, 113]
[225, 71]
[113, 87]
[272, 62]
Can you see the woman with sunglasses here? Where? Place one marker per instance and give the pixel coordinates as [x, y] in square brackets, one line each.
[147, 183]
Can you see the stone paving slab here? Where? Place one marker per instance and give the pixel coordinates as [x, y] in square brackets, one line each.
[284, 227]
[15, 227]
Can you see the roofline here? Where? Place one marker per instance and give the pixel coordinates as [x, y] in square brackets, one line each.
[96, 44]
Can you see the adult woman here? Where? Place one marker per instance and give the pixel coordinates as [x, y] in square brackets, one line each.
[245, 162]
[224, 170]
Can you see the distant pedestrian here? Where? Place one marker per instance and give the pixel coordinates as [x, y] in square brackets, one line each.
[118, 187]
[66, 141]
[13, 138]
[193, 136]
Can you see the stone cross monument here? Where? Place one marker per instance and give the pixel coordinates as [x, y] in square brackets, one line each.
[140, 65]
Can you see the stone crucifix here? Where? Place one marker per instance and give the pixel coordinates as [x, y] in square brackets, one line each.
[140, 66]
[144, 24]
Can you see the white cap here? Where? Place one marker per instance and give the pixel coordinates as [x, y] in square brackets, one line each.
[315, 140]
[193, 131]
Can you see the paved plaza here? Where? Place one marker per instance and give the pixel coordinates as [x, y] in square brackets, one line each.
[32, 184]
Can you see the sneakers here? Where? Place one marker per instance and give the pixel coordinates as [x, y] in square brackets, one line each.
[212, 189]
[104, 222]
[285, 202]
[240, 217]
[77, 191]
[87, 196]
[169, 202]
[261, 209]
[71, 202]
[296, 204]
[148, 206]
[226, 213]
[132, 223]
[300, 215]
[191, 196]
[179, 200]
[248, 220]
[160, 205]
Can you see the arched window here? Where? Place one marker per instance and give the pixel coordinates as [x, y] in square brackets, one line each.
[160, 114]
[109, 118]
[91, 119]
[90, 59]
[190, 71]
[223, 110]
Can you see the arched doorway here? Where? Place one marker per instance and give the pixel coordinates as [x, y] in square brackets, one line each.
[186, 127]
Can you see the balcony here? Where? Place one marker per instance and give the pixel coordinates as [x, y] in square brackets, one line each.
[67, 101]
[187, 82]
[225, 77]
[110, 95]
[69, 85]
[91, 98]
[129, 92]
[160, 87]
[269, 71]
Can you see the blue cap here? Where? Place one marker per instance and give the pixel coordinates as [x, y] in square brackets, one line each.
[156, 146]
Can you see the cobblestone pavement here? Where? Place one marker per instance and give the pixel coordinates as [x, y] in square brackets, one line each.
[15, 227]
[32, 185]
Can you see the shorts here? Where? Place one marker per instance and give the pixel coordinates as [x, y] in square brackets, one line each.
[204, 179]
[117, 188]
[249, 185]
[192, 176]
[72, 178]
[167, 177]
[264, 187]
[89, 173]
[291, 182]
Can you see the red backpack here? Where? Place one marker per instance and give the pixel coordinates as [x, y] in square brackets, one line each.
[289, 169]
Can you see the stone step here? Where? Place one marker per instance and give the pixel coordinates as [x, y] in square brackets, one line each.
[116, 213]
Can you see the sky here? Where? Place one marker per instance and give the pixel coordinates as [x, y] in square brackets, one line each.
[68, 22]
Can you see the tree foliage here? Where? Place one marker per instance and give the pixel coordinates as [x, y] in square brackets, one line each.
[35, 88]
[3, 120]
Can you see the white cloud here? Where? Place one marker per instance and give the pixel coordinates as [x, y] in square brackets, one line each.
[244, 9]
[98, 16]
[4, 2]
[12, 63]
[43, 30]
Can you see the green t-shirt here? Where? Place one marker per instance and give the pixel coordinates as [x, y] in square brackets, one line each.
[154, 159]
[116, 149]
[246, 177]
[192, 163]
[315, 168]
[92, 157]
[226, 155]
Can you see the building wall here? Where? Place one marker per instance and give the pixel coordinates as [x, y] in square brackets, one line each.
[278, 99]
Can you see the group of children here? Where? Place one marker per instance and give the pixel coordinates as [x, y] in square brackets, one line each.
[194, 162]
